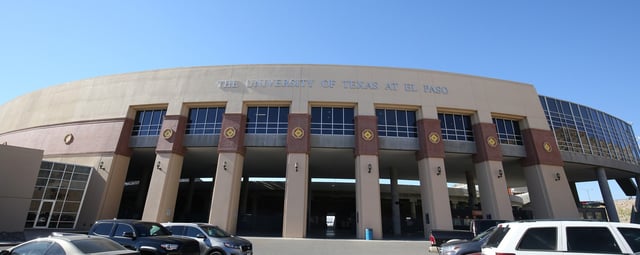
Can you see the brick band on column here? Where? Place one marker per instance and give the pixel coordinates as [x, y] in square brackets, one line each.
[366, 135]
[298, 133]
[487, 143]
[541, 148]
[172, 135]
[122, 147]
[232, 133]
[430, 139]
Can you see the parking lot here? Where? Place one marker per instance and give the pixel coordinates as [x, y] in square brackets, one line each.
[308, 246]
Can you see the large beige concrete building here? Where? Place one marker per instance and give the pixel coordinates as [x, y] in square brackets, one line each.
[265, 149]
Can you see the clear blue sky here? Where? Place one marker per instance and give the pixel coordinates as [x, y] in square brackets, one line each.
[587, 52]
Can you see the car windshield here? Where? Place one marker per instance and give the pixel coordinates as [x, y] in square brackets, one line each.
[214, 231]
[483, 234]
[151, 229]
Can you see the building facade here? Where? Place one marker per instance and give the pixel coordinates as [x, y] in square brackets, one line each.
[207, 143]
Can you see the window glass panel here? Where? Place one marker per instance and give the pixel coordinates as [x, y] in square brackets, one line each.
[591, 239]
[390, 121]
[632, 235]
[272, 120]
[329, 121]
[540, 239]
[148, 122]
[452, 124]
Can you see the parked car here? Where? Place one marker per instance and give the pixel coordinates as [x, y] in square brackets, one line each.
[212, 239]
[62, 244]
[562, 237]
[439, 237]
[144, 236]
[462, 247]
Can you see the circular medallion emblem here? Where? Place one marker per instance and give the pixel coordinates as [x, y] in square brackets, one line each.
[434, 137]
[492, 141]
[367, 135]
[167, 133]
[547, 147]
[68, 139]
[229, 132]
[297, 133]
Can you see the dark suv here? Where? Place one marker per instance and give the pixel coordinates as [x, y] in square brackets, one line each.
[146, 237]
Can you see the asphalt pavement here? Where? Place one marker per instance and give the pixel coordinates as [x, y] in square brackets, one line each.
[310, 246]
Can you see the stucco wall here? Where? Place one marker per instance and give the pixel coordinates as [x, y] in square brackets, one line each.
[20, 168]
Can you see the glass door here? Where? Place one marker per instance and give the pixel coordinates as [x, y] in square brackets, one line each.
[44, 213]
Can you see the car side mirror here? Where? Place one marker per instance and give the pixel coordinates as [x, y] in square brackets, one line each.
[200, 235]
[5, 252]
[128, 235]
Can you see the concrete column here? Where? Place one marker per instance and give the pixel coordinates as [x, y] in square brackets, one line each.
[494, 197]
[226, 191]
[491, 175]
[550, 193]
[295, 197]
[228, 177]
[114, 174]
[471, 189]
[163, 189]
[635, 214]
[436, 207]
[395, 202]
[606, 195]
[368, 211]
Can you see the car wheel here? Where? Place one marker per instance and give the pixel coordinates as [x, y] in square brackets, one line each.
[216, 252]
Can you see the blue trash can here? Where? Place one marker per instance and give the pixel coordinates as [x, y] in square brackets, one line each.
[368, 234]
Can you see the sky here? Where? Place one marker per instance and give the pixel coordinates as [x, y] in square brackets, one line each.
[587, 52]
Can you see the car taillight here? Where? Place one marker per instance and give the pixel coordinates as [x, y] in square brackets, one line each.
[432, 240]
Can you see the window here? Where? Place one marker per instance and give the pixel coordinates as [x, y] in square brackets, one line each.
[176, 230]
[121, 229]
[64, 183]
[539, 239]
[206, 121]
[193, 232]
[632, 235]
[456, 127]
[508, 131]
[267, 120]
[103, 229]
[396, 123]
[591, 239]
[332, 121]
[585, 130]
[148, 122]
[497, 236]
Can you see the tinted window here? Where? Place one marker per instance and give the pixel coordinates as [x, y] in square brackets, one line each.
[176, 230]
[121, 229]
[151, 229]
[591, 239]
[539, 239]
[102, 229]
[193, 232]
[632, 235]
[497, 236]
